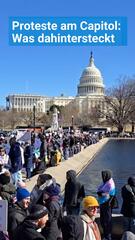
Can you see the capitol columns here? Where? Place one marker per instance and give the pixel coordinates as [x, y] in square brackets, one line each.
[34, 116]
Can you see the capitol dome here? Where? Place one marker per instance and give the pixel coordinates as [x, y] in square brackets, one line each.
[91, 81]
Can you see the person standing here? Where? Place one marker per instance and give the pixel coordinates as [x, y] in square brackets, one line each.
[4, 158]
[7, 189]
[16, 162]
[72, 228]
[83, 226]
[28, 229]
[18, 211]
[74, 193]
[43, 153]
[57, 156]
[89, 207]
[105, 193]
[28, 158]
[128, 205]
[52, 203]
[43, 181]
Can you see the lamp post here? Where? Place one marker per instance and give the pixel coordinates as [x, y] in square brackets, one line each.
[72, 121]
[34, 116]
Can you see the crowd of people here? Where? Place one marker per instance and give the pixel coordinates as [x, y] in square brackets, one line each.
[40, 151]
[44, 213]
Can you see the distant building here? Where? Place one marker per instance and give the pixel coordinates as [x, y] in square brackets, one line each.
[90, 93]
[25, 102]
[22, 102]
[91, 88]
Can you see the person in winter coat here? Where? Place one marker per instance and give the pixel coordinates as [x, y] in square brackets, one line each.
[28, 229]
[105, 193]
[4, 158]
[43, 154]
[84, 226]
[43, 181]
[16, 162]
[57, 156]
[128, 205]
[18, 211]
[74, 193]
[7, 189]
[90, 228]
[52, 203]
[72, 228]
[28, 159]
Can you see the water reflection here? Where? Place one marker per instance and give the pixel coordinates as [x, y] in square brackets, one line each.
[117, 155]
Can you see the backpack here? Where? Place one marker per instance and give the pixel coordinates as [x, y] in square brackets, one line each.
[113, 202]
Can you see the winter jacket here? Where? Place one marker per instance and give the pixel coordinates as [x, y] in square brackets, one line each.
[36, 195]
[74, 191]
[15, 157]
[28, 156]
[7, 192]
[16, 215]
[27, 231]
[72, 228]
[43, 149]
[51, 230]
[107, 188]
[128, 195]
[57, 157]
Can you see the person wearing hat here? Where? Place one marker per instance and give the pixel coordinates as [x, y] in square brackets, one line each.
[43, 181]
[52, 203]
[18, 211]
[89, 211]
[28, 229]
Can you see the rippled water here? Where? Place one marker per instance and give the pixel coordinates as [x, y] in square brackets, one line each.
[117, 155]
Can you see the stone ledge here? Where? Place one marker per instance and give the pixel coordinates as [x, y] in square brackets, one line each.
[78, 162]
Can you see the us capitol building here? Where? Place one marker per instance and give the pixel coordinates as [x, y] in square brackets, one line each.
[90, 93]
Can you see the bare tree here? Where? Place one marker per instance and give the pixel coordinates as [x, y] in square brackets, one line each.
[25, 118]
[45, 119]
[13, 118]
[120, 103]
[4, 120]
[69, 114]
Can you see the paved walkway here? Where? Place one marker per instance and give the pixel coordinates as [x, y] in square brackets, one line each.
[78, 162]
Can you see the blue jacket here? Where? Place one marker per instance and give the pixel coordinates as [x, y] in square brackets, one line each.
[15, 157]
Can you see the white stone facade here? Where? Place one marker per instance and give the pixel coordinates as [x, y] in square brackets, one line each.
[91, 81]
[26, 102]
[90, 89]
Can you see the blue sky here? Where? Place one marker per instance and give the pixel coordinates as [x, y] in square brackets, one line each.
[51, 71]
